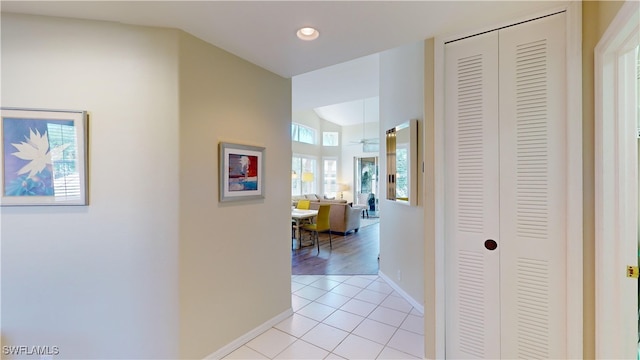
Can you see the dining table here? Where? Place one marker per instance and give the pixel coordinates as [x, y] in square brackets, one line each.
[298, 215]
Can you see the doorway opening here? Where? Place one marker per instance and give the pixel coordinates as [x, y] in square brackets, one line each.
[346, 177]
[616, 191]
[365, 180]
[354, 252]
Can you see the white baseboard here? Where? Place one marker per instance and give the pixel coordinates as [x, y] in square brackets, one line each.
[399, 290]
[237, 343]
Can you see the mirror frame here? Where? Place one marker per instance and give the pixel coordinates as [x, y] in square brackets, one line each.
[412, 162]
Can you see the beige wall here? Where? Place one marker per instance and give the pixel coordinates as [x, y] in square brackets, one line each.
[155, 266]
[596, 17]
[235, 267]
[401, 226]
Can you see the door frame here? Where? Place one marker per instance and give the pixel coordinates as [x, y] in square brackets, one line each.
[616, 186]
[574, 219]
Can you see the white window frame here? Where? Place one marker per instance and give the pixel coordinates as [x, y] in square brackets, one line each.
[297, 178]
[327, 137]
[326, 191]
[295, 133]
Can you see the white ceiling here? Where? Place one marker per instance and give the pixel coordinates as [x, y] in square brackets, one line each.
[355, 112]
[345, 94]
[263, 32]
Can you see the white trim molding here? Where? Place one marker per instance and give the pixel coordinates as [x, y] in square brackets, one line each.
[616, 185]
[575, 177]
[419, 307]
[239, 342]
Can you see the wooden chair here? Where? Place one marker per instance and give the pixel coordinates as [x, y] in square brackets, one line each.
[321, 224]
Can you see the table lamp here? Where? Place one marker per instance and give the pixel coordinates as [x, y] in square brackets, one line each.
[342, 188]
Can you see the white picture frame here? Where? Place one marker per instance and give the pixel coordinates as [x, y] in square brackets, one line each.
[44, 157]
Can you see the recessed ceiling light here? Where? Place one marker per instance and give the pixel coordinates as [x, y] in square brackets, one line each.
[308, 33]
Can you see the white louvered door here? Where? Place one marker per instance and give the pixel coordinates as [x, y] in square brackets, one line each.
[472, 149]
[506, 177]
[532, 189]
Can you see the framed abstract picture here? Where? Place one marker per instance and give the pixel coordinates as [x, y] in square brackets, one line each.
[241, 172]
[44, 157]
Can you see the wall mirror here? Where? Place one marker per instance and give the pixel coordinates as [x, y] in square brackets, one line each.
[402, 160]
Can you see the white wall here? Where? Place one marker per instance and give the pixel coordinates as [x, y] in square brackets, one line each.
[351, 150]
[308, 118]
[348, 81]
[311, 119]
[345, 152]
[97, 281]
[402, 226]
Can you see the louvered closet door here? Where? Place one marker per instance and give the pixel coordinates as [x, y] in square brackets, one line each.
[473, 303]
[533, 176]
[506, 181]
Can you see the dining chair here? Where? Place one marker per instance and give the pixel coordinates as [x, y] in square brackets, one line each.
[301, 205]
[321, 225]
[304, 205]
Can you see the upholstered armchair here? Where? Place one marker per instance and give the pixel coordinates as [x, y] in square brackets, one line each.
[343, 217]
[362, 204]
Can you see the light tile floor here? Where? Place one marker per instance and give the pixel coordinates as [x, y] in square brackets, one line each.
[341, 317]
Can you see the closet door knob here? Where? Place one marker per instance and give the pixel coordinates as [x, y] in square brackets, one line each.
[490, 244]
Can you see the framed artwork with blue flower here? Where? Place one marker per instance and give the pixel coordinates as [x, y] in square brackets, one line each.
[44, 157]
[241, 172]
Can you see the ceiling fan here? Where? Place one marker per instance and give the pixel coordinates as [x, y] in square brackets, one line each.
[368, 144]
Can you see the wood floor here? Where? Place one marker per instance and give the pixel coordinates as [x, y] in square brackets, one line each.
[353, 254]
